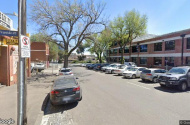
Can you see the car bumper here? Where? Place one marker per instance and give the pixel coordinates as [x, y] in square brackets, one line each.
[66, 99]
[150, 78]
[169, 83]
[127, 75]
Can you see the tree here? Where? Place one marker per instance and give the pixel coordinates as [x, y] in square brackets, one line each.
[126, 29]
[98, 43]
[81, 50]
[70, 20]
[43, 37]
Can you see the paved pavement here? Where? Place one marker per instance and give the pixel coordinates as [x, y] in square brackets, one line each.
[112, 100]
[108, 99]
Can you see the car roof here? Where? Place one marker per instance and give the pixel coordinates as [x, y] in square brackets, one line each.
[155, 69]
[65, 68]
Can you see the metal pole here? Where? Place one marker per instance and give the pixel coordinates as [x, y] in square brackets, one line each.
[183, 35]
[21, 92]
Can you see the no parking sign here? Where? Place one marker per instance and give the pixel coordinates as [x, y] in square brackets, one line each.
[25, 47]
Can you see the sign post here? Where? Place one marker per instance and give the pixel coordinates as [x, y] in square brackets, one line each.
[24, 43]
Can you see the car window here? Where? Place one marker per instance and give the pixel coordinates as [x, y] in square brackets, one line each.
[163, 71]
[157, 71]
[178, 70]
[67, 70]
[146, 71]
[141, 69]
[64, 81]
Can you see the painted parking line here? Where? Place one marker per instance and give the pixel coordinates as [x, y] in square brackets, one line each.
[139, 85]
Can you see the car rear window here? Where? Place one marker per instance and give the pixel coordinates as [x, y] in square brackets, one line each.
[65, 70]
[64, 81]
[146, 71]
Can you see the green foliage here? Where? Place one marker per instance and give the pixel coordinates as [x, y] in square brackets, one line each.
[80, 49]
[126, 29]
[81, 58]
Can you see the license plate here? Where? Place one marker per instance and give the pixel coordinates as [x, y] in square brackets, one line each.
[162, 83]
[66, 98]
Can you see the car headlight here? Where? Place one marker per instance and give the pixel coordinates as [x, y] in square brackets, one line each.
[173, 78]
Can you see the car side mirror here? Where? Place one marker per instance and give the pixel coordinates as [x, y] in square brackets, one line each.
[77, 78]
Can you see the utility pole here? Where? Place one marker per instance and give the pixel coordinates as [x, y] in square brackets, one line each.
[21, 86]
[183, 35]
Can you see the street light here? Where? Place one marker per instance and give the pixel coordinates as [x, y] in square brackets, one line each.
[12, 14]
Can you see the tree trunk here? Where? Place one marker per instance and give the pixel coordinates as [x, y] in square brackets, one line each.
[66, 57]
[122, 62]
[100, 58]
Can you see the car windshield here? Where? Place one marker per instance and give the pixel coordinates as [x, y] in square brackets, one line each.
[122, 66]
[178, 71]
[133, 69]
[64, 81]
[146, 71]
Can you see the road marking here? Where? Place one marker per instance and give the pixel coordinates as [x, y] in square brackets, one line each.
[139, 86]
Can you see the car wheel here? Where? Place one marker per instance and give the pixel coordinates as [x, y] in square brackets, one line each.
[161, 85]
[133, 76]
[80, 98]
[182, 86]
[155, 80]
[143, 80]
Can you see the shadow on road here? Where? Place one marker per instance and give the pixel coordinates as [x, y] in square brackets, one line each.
[48, 108]
[146, 82]
[117, 75]
[170, 89]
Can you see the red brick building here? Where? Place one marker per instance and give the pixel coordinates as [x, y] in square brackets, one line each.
[40, 52]
[156, 51]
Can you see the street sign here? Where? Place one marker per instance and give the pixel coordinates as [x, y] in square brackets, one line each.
[8, 33]
[25, 46]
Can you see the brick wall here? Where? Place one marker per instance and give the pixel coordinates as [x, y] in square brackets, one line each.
[3, 65]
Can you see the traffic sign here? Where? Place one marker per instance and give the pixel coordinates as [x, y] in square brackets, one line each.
[8, 33]
[25, 46]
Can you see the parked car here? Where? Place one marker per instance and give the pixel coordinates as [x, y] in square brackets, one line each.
[133, 72]
[121, 69]
[130, 64]
[177, 76]
[111, 68]
[65, 71]
[97, 67]
[65, 90]
[91, 66]
[87, 65]
[39, 67]
[107, 66]
[83, 65]
[152, 74]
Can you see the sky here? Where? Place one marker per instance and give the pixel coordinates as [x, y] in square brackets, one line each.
[164, 16]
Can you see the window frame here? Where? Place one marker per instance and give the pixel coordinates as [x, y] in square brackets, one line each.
[169, 48]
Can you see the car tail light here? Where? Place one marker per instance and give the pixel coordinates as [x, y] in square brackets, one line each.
[76, 89]
[149, 74]
[98, 66]
[60, 73]
[54, 92]
[70, 73]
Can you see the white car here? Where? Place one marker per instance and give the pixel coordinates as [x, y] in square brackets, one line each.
[121, 69]
[112, 67]
[133, 72]
[65, 71]
[130, 64]
[83, 65]
[39, 67]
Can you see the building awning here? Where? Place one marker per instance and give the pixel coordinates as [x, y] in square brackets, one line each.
[7, 37]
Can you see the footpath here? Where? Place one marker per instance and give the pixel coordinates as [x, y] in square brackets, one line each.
[38, 88]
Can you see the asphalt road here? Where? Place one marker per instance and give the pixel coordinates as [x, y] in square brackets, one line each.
[112, 100]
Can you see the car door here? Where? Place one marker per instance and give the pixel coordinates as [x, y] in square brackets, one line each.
[138, 72]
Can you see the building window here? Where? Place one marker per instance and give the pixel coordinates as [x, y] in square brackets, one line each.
[158, 61]
[170, 45]
[134, 49]
[134, 59]
[111, 51]
[188, 43]
[115, 51]
[143, 60]
[143, 48]
[169, 61]
[126, 60]
[126, 50]
[158, 47]
[188, 61]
